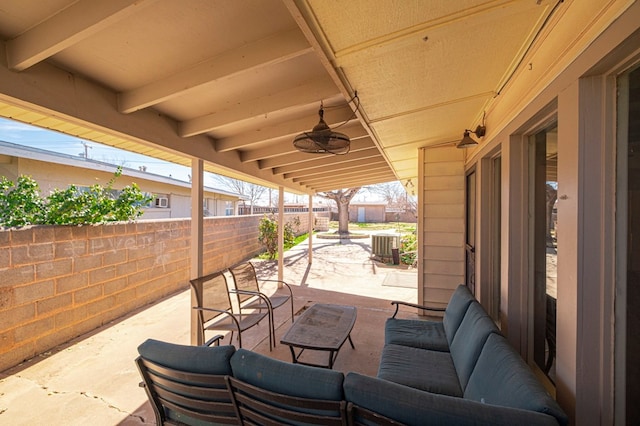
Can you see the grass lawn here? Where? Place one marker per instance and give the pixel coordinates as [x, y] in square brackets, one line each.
[400, 227]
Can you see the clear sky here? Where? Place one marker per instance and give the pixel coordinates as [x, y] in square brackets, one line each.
[24, 134]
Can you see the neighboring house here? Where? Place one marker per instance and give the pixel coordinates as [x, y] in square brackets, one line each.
[172, 197]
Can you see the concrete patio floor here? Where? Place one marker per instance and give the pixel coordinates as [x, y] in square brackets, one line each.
[93, 378]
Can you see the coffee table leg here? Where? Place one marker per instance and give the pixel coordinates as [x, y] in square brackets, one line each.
[332, 357]
[293, 355]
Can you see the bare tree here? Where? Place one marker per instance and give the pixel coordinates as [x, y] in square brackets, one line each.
[342, 197]
[391, 192]
[250, 190]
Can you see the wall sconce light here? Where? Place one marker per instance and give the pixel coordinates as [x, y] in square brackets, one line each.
[467, 141]
[321, 139]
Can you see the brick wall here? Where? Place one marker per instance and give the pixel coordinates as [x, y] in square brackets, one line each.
[58, 282]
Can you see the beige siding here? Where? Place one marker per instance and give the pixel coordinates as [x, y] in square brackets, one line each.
[443, 223]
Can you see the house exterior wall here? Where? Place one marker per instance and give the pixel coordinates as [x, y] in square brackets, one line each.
[52, 176]
[59, 282]
[575, 86]
[442, 223]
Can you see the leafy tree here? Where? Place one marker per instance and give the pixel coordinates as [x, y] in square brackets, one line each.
[342, 197]
[20, 202]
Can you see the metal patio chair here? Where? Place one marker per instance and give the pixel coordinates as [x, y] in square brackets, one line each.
[257, 406]
[186, 384]
[247, 290]
[215, 311]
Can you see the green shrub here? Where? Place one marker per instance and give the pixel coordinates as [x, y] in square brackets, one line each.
[268, 234]
[408, 249]
[21, 203]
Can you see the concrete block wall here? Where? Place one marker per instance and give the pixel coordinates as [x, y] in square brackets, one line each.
[59, 282]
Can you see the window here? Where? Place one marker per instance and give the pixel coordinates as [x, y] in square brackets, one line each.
[161, 201]
[470, 235]
[628, 291]
[543, 192]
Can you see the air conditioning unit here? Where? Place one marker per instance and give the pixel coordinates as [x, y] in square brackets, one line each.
[162, 202]
[382, 245]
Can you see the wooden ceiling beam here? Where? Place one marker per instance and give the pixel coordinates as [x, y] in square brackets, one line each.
[300, 157]
[331, 186]
[365, 162]
[249, 58]
[288, 128]
[304, 94]
[66, 28]
[372, 153]
[380, 166]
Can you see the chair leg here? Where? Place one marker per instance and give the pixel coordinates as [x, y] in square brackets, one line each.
[272, 331]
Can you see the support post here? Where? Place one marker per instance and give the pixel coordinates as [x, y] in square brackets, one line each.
[280, 235]
[197, 225]
[310, 229]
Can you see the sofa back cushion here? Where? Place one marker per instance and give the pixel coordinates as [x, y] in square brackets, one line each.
[416, 407]
[416, 333]
[471, 336]
[194, 359]
[501, 377]
[186, 384]
[286, 378]
[454, 313]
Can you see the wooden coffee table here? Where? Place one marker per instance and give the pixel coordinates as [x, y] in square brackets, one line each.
[322, 327]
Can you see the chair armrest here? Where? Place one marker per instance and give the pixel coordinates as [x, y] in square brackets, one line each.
[262, 296]
[280, 281]
[215, 339]
[222, 311]
[413, 305]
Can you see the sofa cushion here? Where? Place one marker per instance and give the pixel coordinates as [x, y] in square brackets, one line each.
[286, 378]
[416, 333]
[501, 377]
[431, 371]
[194, 359]
[455, 311]
[432, 335]
[415, 407]
[467, 344]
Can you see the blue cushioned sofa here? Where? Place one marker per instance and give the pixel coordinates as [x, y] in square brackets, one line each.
[458, 371]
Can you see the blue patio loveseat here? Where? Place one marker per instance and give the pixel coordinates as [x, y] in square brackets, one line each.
[460, 370]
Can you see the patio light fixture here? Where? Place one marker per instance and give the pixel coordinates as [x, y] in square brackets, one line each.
[322, 139]
[467, 141]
